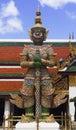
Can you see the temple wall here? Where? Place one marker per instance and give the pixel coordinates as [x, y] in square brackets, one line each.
[72, 93]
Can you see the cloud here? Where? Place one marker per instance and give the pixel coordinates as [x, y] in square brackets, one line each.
[71, 15]
[56, 4]
[9, 18]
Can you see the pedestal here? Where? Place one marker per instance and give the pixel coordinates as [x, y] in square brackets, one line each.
[48, 126]
[26, 126]
[33, 126]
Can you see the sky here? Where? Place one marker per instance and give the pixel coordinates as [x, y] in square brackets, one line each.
[17, 17]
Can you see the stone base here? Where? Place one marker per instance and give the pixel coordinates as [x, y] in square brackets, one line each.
[74, 125]
[33, 126]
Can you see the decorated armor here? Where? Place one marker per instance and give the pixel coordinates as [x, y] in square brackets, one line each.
[37, 91]
[30, 83]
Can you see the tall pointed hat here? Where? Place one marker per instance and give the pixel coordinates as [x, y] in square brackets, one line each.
[38, 24]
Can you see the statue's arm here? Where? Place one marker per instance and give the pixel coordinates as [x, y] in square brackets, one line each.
[50, 61]
[24, 62]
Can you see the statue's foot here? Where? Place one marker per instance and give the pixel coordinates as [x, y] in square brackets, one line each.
[25, 119]
[47, 118]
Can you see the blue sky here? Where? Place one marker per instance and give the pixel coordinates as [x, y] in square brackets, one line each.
[17, 17]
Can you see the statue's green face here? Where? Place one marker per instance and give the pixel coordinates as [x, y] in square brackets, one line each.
[38, 35]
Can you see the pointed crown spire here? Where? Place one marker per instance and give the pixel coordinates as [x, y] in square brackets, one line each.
[38, 25]
[38, 20]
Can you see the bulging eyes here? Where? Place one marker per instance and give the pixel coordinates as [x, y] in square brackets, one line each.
[37, 34]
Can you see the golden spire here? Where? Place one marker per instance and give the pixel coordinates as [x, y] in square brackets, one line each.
[38, 20]
[38, 24]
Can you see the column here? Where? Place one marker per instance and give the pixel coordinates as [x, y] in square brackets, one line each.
[6, 111]
[72, 94]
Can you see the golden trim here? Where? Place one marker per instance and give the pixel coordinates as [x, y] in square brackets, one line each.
[48, 119]
[45, 114]
[29, 114]
[62, 91]
[25, 119]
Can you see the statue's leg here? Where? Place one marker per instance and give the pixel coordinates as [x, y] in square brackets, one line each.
[27, 92]
[46, 97]
[45, 112]
[47, 91]
[29, 109]
[29, 112]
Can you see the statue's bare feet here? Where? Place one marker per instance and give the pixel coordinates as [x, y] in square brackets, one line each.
[49, 118]
[25, 118]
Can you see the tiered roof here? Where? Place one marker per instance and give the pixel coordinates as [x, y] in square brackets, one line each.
[11, 74]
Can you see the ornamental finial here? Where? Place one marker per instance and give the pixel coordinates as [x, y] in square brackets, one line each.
[38, 25]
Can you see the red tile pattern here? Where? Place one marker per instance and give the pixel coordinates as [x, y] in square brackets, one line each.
[13, 70]
[62, 52]
[11, 53]
[10, 86]
[20, 70]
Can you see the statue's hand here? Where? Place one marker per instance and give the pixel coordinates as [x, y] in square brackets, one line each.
[36, 64]
[17, 100]
[60, 99]
[37, 59]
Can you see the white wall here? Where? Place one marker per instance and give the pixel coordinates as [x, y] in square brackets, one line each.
[72, 93]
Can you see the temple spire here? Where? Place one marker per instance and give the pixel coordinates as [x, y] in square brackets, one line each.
[38, 20]
[38, 25]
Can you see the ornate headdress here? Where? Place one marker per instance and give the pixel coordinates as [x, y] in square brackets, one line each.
[38, 24]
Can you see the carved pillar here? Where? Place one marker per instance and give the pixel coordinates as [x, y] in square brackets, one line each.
[72, 93]
[6, 111]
